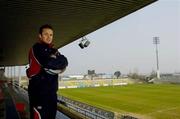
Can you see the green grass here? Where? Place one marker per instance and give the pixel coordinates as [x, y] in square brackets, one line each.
[146, 100]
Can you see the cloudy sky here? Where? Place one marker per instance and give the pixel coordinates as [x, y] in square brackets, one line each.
[127, 44]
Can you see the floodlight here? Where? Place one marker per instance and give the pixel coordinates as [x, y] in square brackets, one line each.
[84, 43]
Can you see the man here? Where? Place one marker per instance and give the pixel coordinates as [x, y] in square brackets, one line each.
[45, 62]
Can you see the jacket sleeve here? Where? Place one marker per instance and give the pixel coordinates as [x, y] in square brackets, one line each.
[58, 63]
[42, 54]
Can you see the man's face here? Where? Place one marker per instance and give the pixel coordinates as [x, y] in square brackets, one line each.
[46, 36]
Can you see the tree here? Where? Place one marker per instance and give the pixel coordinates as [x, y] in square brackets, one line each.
[117, 74]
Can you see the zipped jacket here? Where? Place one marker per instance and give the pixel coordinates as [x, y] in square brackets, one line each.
[40, 59]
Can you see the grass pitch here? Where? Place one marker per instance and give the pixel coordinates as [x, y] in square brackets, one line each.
[154, 101]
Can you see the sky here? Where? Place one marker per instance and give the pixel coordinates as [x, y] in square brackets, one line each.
[126, 45]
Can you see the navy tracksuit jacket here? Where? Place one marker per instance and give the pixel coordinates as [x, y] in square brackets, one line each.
[42, 85]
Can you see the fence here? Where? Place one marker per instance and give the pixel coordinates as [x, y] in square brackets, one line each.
[85, 109]
[92, 83]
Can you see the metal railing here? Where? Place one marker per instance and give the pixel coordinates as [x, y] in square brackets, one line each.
[85, 109]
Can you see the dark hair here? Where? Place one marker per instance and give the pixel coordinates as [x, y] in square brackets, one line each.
[44, 27]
